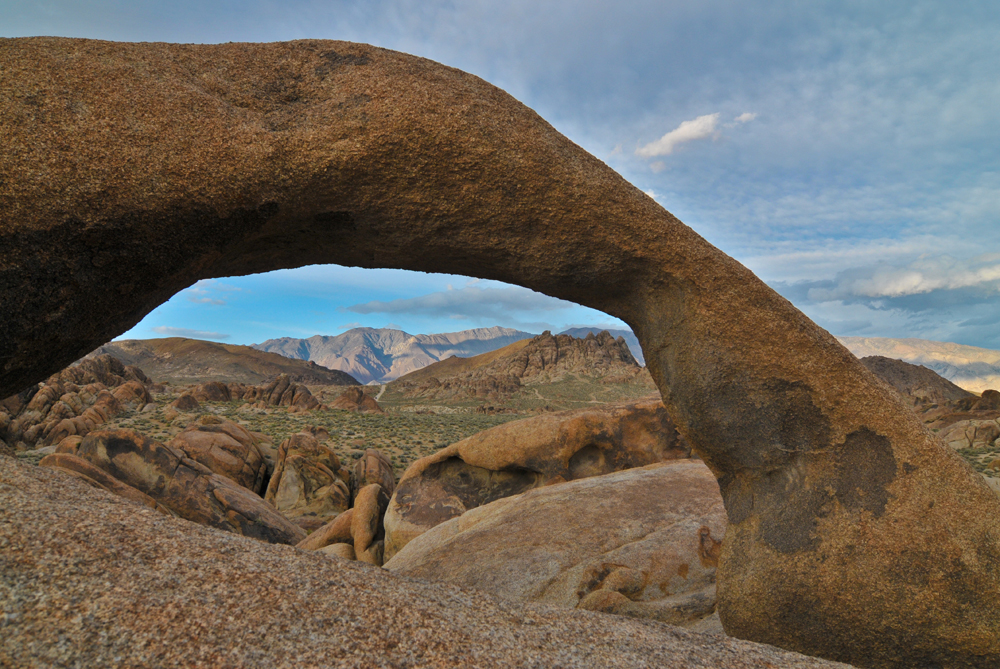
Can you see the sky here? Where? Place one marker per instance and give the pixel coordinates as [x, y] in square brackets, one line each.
[846, 152]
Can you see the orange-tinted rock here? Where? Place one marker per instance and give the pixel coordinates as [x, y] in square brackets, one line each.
[132, 395]
[318, 432]
[59, 407]
[517, 456]
[289, 154]
[336, 531]
[642, 542]
[187, 488]
[366, 523]
[97, 477]
[305, 486]
[186, 402]
[342, 551]
[373, 467]
[282, 391]
[355, 399]
[226, 449]
[213, 391]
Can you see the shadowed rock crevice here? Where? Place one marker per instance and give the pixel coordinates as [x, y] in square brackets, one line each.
[130, 171]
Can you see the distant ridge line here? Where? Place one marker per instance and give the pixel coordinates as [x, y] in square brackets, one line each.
[380, 355]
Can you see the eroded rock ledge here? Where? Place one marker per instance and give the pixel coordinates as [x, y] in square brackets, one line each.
[130, 171]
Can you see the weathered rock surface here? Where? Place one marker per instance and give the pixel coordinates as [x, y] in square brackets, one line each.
[185, 487]
[306, 486]
[643, 542]
[74, 401]
[517, 456]
[282, 391]
[337, 531]
[854, 533]
[373, 467]
[98, 478]
[355, 399]
[158, 591]
[973, 433]
[366, 523]
[227, 449]
[186, 402]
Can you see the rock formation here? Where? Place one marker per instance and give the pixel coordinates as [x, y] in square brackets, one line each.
[227, 449]
[72, 402]
[130, 171]
[514, 457]
[373, 467]
[187, 488]
[308, 486]
[355, 399]
[78, 565]
[642, 542]
[282, 391]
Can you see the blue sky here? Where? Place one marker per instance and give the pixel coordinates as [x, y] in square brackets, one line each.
[847, 152]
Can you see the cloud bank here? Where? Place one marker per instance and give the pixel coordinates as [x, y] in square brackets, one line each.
[469, 302]
[922, 276]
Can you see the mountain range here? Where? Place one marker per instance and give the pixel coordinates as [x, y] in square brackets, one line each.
[380, 355]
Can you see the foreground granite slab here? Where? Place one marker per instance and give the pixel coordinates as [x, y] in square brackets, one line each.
[89, 580]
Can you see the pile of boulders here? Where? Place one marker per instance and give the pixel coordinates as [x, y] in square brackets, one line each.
[74, 401]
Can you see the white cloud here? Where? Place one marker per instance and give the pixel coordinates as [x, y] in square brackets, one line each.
[924, 275]
[745, 117]
[190, 334]
[688, 131]
[348, 326]
[199, 292]
[651, 193]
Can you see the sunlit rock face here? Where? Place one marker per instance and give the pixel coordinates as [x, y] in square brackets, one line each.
[130, 171]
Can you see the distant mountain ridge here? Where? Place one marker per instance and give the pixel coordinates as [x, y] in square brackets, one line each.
[382, 355]
[969, 367]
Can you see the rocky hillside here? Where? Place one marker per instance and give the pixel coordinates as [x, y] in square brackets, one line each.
[974, 369]
[627, 335]
[914, 382]
[382, 355]
[546, 358]
[189, 361]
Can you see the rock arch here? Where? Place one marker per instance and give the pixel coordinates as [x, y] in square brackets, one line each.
[129, 171]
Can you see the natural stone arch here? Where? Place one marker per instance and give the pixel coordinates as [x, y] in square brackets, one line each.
[129, 171]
